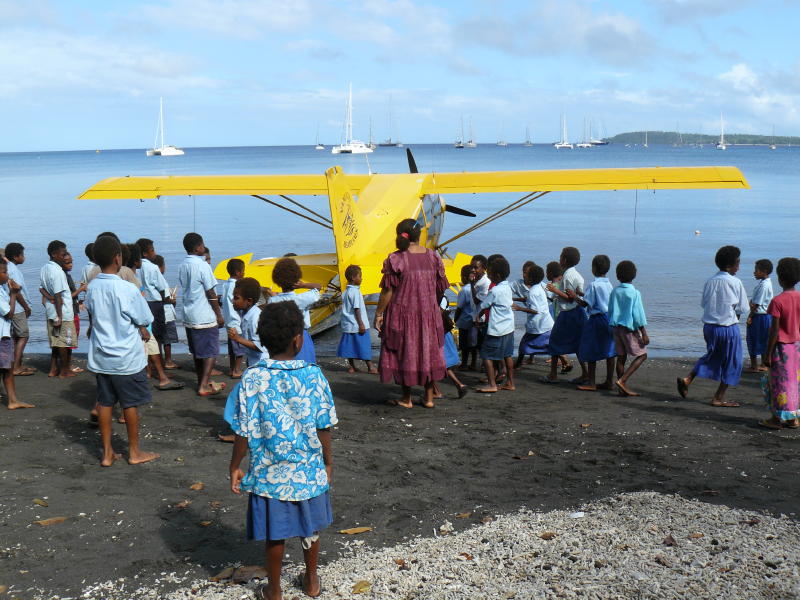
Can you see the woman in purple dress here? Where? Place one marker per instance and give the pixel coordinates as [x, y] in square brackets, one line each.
[408, 316]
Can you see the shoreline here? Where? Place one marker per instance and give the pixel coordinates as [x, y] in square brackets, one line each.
[402, 472]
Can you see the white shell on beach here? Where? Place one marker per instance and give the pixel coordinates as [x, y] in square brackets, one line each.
[615, 550]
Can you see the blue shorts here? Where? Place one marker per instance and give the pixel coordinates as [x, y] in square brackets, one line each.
[235, 348]
[497, 347]
[203, 343]
[129, 390]
[159, 321]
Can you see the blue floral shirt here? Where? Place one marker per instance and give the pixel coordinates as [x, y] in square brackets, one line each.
[278, 407]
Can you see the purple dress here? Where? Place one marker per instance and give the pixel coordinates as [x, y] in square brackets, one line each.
[412, 337]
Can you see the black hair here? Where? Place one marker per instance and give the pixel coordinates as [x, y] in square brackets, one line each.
[249, 288]
[279, 324]
[144, 244]
[535, 273]
[134, 255]
[206, 250]
[626, 271]
[407, 231]
[14, 249]
[158, 260]
[601, 264]
[527, 264]
[286, 272]
[126, 253]
[763, 264]
[235, 265]
[105, 249]
[553, 270]
[788, 272]
[191, 241]
[571, 256]
[351, 271]
[499, 268]
[491, 258]
[109, 234]
[480, 259]
[726, 257]
[55, 246]
[89, 251]
[290, 254]
[465, 271]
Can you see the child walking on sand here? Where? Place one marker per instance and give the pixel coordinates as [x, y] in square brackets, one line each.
[118, 318]
[724, 301]
[759, 321]
[539, 323]
[783, 350]
[467, 333]
[282, 415]
[627, 320]
[355, 341]
[498, 345]
[597, 340]
[9, 292]
[568, 327]
[287, 274]
[233, 319]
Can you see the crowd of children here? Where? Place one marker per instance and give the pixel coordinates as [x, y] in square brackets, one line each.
[283, 402]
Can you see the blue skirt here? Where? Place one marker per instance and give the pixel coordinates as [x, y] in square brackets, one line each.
[355, 345]
[307, 352]
[451, 358]
[497, 347]
[534, 343]
[565, 338]
[758, 334]
[723, 358]
[597, 340]
[270, 519]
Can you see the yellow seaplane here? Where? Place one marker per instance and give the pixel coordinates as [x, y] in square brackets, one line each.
[364, 209]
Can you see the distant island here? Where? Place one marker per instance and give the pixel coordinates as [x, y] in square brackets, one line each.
[675, 138]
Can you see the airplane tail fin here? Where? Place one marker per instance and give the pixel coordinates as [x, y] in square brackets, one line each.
[348, 226]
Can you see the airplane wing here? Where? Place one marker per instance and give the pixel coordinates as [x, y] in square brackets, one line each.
[643, 178]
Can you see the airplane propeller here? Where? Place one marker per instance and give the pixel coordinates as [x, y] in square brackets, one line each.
[412, 168]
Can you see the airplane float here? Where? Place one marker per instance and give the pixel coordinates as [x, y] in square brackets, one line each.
[364, 209]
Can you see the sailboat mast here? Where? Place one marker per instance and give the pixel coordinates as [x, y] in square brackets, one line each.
[348, 134]
[161, 120]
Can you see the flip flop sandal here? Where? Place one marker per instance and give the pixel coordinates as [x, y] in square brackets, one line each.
[766, 423]
[26, 372]
[172, 385]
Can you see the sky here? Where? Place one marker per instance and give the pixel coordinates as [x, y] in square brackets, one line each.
[89, 74]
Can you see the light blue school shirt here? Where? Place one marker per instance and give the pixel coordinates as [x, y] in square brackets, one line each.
[86, 272]
[724, 300]
[249, 325]
[303, 301]
[153, 282]
[278, 406]
[195, 278]
[464, 302]
[352, 300]
[625, 307]
[54, 281]
[519, 289]
[572, 280]
[597, 295]
[762, 295]
[542, 321]
[5, 312]
[15, 273]
[501, 317]
[117, 310]
[233, 320]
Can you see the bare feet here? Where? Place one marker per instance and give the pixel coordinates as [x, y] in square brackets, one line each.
[683, 387]
[109, 460]
[77, 370]
[228, 439]
[487, 390]
[507, 387]
[373, 371]
[24, 372]
[587, 388]
[142, 457]
[171, 366]
[18, 404]
[267, 592]
[352, 370]
[624, 390]
[216, 373]
[312, 586]
[121, 420]
[400, 403]
[67, 375]
[606, 385]
[53, 374]
[724, 403]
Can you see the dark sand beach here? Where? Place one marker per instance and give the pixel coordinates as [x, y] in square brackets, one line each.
[402, 472]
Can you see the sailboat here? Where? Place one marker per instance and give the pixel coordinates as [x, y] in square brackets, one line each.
[349, 145]
[318, 146]
[162, 149]
[471, 143]
[596, 141]
[564, 143]
[645, 140]
[459, 143]
[501, 139]
[772, 145]
[721, 145]
[389, 141]
[528, 143]
[584, 143]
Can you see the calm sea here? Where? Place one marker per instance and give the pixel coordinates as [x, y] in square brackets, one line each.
[656, 230]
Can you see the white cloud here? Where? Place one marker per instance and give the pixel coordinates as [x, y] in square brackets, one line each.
[741, 78]
[683, 11]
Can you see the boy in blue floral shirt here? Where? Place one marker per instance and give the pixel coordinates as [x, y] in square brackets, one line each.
[283, 414]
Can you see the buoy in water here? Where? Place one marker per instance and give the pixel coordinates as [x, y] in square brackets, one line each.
[697, 232]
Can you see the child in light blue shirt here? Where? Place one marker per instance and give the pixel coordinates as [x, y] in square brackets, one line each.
[246, 294]
[464, 317]
[9, 292]
[498, 345]
[597, 340]
[287, 274]
[627, 319]
[539, 322]
[355, 343]
[758, 321]
[233, 318]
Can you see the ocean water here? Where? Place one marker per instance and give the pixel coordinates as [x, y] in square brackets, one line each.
[655, 230]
